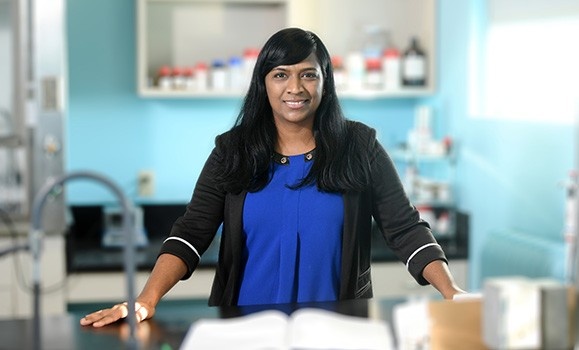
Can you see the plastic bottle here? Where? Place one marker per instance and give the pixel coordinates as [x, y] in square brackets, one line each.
[373, 77]
[201, 76]
[339, 72]
[249, 61]
[414, 65]
[423, 129]
[391, 68]
[374, 40]
[188, 79]
[178, 78]
[219, 75]
[236, 75]
[356, 69]
[164, 81]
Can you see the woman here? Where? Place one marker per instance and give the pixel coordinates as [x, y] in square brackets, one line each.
[295, 186]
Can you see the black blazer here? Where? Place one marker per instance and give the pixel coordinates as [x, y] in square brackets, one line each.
[384, 200]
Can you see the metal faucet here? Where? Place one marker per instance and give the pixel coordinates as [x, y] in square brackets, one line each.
[35, 246]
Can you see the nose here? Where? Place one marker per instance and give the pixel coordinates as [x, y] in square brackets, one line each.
[294, 85]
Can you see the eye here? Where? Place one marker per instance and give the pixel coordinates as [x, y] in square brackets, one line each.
[279, 75]
[310, 75]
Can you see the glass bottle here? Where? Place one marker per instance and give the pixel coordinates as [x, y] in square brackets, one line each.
[414, 65]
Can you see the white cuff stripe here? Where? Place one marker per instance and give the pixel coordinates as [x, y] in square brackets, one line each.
[418, 250]
[186, 243]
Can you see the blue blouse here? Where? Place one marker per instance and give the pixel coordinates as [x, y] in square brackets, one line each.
[293, 239]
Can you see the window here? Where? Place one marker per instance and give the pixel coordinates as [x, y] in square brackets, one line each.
[529, 58]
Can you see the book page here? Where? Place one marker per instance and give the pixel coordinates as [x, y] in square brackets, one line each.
[259, 331]
[322, 329]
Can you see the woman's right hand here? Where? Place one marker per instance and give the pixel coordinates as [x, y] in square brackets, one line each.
[104, 317]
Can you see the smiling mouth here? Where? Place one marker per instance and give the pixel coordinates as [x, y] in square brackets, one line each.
[295, 104]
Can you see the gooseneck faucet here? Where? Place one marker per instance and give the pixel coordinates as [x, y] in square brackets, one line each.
[35, 245]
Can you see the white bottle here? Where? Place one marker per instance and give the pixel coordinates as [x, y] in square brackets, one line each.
[236, 75]
[219, 76]
[339, 73]
[164, 80]
[188, 79]
[356, 70]
[178, 78]
[423, 129]
[373, 77]
[201, 76]
[249, 60]
[391, 69]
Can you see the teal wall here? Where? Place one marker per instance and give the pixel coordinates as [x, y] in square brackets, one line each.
[114, 131]
[507, 172]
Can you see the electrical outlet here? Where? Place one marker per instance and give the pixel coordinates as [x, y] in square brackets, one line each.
[146, 183]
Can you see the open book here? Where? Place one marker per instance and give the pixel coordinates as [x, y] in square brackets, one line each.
[307, 328]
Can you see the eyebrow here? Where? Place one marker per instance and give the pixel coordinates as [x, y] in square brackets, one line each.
[284, 68]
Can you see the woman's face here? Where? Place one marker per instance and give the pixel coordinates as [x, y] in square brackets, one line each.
[295, 92]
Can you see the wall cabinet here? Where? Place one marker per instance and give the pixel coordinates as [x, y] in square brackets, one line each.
[183, 33]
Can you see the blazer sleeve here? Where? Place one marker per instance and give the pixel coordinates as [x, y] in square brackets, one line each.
[405, 232]
[192, 233]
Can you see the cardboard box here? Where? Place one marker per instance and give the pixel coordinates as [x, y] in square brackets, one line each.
[456, 325]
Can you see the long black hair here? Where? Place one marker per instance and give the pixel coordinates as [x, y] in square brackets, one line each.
[249, 146]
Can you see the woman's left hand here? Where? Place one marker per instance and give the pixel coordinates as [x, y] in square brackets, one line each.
[107, 316]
